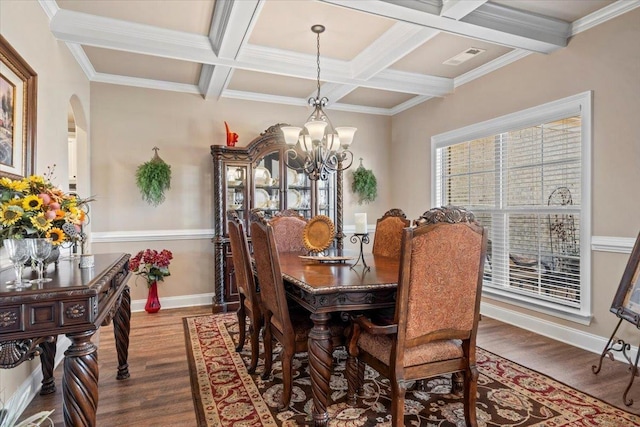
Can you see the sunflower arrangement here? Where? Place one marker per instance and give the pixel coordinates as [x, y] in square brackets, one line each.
[34, 207]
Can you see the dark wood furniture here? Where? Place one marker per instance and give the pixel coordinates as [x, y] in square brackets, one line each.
[291, 328]
[256, 176]
[75, 303]
[249, 296]
[436, 317]
[326, 288]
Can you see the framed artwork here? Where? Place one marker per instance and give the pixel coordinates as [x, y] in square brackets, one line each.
[18, 102]
[626, 303]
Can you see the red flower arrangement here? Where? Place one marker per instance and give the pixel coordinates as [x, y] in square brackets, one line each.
[151, 264]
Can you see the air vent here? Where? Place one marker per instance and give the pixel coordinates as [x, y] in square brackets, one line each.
[464, 56]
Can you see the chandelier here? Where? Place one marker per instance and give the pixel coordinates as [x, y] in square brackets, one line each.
[318, 149]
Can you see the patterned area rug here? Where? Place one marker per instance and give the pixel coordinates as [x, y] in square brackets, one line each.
[225, 394]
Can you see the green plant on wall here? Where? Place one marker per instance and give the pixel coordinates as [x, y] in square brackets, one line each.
[364, 184]
[153, 179]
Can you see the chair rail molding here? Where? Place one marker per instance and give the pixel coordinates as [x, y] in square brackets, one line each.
[150, 235]
[621, 245]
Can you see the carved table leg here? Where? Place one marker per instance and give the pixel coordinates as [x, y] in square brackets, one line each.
[121, 327]
[47, 359]
[80, 381]
[320, 366]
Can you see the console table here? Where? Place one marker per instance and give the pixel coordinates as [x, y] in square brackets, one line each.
[75, 303]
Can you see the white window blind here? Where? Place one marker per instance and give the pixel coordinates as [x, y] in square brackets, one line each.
[525, 185]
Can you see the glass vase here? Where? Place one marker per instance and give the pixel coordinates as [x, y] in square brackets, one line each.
[153, 302]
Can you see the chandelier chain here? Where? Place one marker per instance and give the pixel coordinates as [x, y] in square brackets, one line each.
[318, 62]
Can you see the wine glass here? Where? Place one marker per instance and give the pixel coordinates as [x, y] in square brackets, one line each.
[40, 249]
[18, 252]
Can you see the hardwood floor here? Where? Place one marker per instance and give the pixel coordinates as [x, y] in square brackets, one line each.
[159, 391]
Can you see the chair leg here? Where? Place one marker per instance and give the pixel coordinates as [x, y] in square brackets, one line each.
[353, 380]
[242, 324]
[255, 346]
[470, 392]
[457, 382]
[287, 378]
[361, 367]
[398, 390]
[268, 350]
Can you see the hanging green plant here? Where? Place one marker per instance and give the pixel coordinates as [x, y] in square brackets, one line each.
[364, 184]
[153, 178]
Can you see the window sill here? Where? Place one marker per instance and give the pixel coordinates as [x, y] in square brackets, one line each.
[572, 315]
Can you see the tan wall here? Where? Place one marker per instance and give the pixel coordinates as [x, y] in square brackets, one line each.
[26, 27]
[605, 59]
[128, 122]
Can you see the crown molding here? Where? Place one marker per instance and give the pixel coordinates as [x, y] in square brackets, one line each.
[50, 7]
[603, 15]
[82, 60]
[490, 67]
[416, 100]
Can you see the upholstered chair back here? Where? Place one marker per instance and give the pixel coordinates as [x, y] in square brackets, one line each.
[288, 229]
[440, 282]
[388, 236]
[267, 262]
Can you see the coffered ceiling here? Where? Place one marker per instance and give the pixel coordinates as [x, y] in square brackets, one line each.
[376, 56]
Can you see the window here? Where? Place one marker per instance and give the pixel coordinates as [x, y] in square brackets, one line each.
[525, 176]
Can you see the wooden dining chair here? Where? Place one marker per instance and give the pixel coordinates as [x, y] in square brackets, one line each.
[289, 327]
[436, 317]
[288, 229]
[249, 297]
[388, 236]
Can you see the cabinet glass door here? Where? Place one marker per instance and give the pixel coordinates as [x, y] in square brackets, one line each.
[298, 192]
[327, 197]
[266, 183]
[236, 190]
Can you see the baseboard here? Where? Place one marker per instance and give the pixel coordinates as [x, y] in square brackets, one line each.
[571, 336]
[176, 302]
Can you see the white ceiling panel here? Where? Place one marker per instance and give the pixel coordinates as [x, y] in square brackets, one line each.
[180, 15]
[272, 84]
[120, 63]
[429, 58]
[286, 24]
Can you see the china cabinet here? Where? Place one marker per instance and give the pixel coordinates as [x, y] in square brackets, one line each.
[256, 176]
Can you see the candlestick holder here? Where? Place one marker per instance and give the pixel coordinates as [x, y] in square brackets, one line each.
[363, 238]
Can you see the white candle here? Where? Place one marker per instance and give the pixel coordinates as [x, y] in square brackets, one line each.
[361, 223]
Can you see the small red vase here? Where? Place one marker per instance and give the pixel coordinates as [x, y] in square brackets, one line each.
[153, 302]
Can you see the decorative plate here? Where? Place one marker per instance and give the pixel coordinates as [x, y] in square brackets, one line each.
[261, 175]
[327, 259]
[292, 177]
[318, 233]
[261, 198]
[294, 198]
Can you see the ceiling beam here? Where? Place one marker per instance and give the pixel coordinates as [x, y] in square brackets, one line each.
[458, 9]
[230, 27]
[490, 22]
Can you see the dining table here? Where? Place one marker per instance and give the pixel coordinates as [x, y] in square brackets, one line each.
[335, 283]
